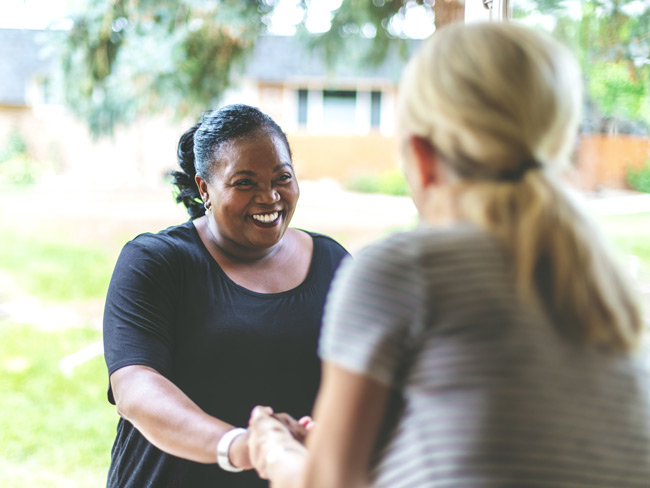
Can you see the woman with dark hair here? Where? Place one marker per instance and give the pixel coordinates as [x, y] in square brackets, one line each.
[206, 319]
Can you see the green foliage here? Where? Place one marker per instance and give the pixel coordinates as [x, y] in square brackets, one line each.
[617, 93]
[350, 25]
[16, 166]
[55, 430]
[639, 179]
[123, 58]
[610, 39]
[389, 183]
[15, 146]
[54, 270]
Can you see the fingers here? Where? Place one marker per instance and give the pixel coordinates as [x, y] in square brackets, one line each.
[307, 422]
[296, 429]
[265, 432]
[260, 412]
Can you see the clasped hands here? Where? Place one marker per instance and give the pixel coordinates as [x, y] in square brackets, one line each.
[274, 435]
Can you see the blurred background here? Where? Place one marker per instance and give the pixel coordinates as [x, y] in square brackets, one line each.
[94, 95]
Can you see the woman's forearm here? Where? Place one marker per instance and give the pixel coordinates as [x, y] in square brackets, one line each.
[169, 419]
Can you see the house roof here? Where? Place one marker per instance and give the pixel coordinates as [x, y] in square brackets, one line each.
[24, 54]
[290, 60]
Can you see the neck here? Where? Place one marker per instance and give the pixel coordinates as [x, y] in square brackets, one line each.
[436, 206]
[236, 252]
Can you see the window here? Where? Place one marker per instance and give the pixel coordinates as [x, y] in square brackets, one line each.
[339, 110]
[375, 109]
[302, 107]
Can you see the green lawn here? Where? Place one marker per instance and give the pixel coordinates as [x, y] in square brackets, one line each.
[56, 430]
[53, 269]
[631, 235]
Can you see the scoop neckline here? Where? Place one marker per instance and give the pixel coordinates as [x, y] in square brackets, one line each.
[248, 291]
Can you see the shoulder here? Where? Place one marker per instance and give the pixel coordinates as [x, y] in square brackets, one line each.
[459, 238]
[174, 236]
[326, 245]
[427, 245]
[324, 241]
[170, 242]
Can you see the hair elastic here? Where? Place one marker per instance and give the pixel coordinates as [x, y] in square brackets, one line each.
[518, 173]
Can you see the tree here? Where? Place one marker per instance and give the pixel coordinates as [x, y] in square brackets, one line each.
[123, 58]
[611, 39]
[126, 57]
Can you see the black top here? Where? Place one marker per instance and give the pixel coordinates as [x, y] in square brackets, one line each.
[171, 307]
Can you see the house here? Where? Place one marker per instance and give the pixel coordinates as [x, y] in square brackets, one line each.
[339, 120]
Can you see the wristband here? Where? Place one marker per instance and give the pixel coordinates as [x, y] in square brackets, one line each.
[223, 448]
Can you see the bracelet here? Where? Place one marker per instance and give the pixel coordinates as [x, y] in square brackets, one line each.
[223, 449]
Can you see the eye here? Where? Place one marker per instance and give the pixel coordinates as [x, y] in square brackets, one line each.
[284, 178]
[243, 183]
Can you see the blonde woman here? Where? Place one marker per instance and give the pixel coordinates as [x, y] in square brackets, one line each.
[498, 345]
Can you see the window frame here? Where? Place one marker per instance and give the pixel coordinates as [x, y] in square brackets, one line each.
[476, 11]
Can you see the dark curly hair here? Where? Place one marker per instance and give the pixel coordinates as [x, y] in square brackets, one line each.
[198, 148]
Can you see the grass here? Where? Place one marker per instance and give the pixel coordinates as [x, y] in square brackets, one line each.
[56, 430]
[631, 235]
[52, 269]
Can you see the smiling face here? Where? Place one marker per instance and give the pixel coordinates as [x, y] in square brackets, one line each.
[253, 192]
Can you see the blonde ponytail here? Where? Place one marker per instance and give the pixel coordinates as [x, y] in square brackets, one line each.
[489, 98]
[559, 257]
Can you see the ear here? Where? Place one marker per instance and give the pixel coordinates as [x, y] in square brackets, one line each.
[426, 160]
[203, 186]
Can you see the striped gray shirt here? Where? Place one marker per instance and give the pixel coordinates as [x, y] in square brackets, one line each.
[487, 394]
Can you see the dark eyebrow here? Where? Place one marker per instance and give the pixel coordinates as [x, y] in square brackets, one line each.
[280, 166]
[247, 172]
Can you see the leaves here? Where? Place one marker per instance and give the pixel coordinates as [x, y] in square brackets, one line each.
[611, 39]
[123, 58]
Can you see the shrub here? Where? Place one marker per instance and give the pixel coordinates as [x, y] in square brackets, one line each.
[16, 165]
[389, 183]
[639, 179]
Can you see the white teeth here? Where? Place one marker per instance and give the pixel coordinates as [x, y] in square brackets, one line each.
[266, 218]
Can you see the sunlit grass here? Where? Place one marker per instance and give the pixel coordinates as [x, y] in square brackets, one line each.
[56, 430]
[50, 268]
[631, 235]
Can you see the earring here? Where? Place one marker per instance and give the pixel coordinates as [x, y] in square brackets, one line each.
[207, 207]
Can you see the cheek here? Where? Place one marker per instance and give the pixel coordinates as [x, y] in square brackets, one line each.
[291, 193]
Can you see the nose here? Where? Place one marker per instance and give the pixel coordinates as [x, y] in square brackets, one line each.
[268, 196]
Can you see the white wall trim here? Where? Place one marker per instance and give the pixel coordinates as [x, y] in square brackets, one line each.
[315, 111]
[362, 112]
[475, 11]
